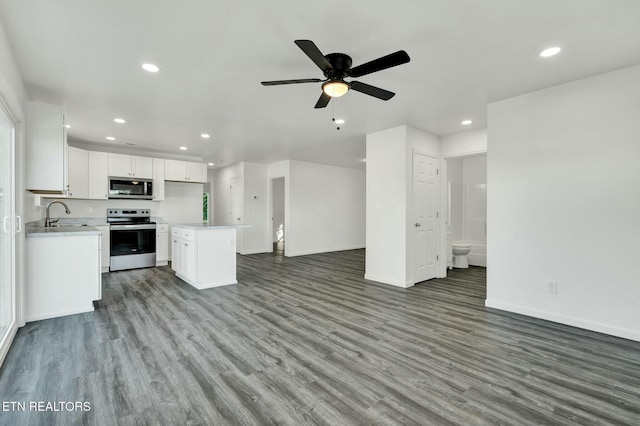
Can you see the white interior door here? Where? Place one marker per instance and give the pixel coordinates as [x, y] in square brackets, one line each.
[7, 235]
[425, 217]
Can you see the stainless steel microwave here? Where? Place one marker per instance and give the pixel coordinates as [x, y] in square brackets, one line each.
[130, 188]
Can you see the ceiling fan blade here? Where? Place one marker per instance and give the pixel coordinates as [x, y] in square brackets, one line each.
[312, 51]
[303, 80]
[394, 59]
[323, 101]
[370, 90]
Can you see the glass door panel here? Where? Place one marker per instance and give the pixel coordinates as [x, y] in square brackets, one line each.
[7, 235]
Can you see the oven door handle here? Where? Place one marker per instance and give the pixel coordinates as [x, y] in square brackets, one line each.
[131, 227]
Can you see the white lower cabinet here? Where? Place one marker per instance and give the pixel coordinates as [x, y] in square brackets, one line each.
[105, 246]
[65, 277]
[204, 256]
[162, 245]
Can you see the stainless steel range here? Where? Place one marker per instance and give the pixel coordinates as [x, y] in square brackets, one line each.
[133, 239]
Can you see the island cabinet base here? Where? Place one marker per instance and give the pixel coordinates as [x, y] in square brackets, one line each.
[202, 286]
[204, 256]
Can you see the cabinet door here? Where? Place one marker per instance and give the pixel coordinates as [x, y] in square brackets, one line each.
[162, 246]
[78, 173]
[119, 165]
[158, 179]
[106, 254]
[175, 256]
[98, 176]
[197, 172]
[189, 260]
[142, 167]
[175, 170]
[45, 148]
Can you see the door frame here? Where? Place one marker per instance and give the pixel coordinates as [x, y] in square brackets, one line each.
[5, 342]
[271, 179]
[438, 226]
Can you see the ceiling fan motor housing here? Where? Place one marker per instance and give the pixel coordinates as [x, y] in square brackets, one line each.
[341, 64]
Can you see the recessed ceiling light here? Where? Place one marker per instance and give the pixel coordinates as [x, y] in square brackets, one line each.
[184, 148]
[466, 122]
[210, 164]
[68, 126]
[119, 120]
[339, 120]
[551, 51]
[110, 138]
[205, 136]
[150, 67]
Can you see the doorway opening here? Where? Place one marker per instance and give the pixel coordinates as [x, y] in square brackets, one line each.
[277, 215]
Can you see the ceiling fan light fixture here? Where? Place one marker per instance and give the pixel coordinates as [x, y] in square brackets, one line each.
[335, 88]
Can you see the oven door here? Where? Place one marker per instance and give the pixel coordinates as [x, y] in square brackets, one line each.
[132, 246]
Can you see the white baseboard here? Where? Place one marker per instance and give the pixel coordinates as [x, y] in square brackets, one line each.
[477, 259]
[625, 333]
[60, 314]
[206, 285]
[255, 251]
[6, 344]
[389, 281]
[318, 251]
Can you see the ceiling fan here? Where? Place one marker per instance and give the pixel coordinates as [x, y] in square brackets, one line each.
[337, 66]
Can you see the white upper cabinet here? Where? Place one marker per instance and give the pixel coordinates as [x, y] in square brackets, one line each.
[184, 171]
[98, 175]
[121, 165]
[158, 179]
[142, 167]
[78, 173]
[45, 149]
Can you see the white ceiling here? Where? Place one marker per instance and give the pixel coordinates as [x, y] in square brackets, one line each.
[86, 55]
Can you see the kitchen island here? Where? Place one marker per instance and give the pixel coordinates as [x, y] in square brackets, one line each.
[64, 276]
[204, 256]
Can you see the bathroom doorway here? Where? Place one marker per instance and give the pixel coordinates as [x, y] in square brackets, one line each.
[467, 208]
[277, 215]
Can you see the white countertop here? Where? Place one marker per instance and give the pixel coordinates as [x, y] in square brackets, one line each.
[61, 231]
[207, 226]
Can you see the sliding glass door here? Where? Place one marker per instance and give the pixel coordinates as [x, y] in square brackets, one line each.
[7, 233]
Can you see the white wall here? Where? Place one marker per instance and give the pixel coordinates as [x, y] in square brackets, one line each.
[465, 143]
[563, 203]
[255, 209]
[222, 195]
[389, 202]
[182, 204]
[326, 208]
[455, 179]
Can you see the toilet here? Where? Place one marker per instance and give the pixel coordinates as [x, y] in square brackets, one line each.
[460, 252]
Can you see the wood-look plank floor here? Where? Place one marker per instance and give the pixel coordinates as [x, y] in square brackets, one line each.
[307, 340]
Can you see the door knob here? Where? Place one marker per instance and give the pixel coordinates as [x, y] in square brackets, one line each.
[417, 225]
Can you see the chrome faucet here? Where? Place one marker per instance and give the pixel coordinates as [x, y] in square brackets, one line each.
[47, 219]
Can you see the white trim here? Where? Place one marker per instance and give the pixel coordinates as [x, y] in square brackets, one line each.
[5, 345]
[207, 285]
[625, 333]
[61, 314]
[389, 281]
[465, 154]
[256, 251]
[318, 251]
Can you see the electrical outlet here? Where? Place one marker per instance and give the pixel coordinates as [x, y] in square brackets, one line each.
[89, 209]
[552, 287]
